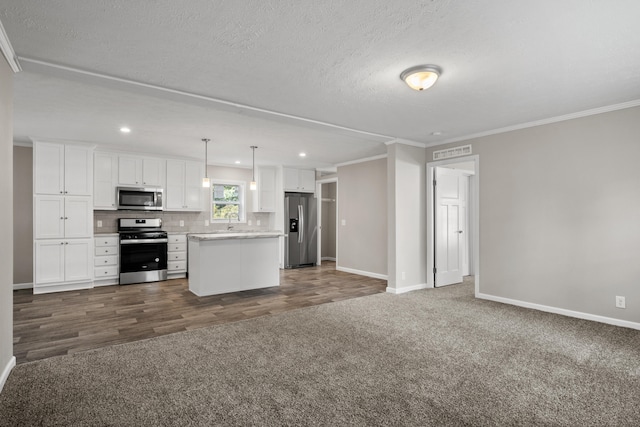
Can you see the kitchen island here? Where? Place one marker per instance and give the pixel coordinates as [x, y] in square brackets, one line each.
[233, 261]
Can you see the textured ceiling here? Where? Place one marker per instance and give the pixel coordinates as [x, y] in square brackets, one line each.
[335, 62]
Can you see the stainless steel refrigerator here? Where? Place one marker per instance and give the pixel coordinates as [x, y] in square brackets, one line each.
[301, 230]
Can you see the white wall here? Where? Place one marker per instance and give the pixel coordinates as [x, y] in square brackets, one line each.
[407, 214]
[6, 220]
[559, 214]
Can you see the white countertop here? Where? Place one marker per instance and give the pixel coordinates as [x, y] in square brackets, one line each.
[235, 235]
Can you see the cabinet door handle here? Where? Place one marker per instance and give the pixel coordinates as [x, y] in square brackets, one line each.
[61, 217]
[62, 243]
[66, 243]
[66, 217]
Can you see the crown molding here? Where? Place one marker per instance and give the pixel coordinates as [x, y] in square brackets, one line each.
[366, 159]
[7, 51]
[550, 120]
[406, 142]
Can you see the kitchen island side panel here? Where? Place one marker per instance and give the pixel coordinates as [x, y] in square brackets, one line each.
[232, 265]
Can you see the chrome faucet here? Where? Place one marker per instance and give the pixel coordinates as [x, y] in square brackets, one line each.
[230, 215]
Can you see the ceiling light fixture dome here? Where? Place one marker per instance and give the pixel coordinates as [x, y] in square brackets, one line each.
[421, 77]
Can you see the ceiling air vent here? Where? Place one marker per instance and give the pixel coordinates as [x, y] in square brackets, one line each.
[452, 152]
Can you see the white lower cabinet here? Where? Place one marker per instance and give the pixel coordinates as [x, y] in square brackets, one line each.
[63, 264]
[106, 261]
[177, 256]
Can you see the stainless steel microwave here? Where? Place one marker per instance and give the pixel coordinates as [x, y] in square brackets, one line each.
[139, 198]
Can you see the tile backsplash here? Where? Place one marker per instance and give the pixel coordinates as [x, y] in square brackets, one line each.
[194, 222]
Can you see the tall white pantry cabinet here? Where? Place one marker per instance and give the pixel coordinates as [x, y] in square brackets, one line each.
[62, 216]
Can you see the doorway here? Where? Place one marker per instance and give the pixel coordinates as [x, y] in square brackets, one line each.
[453, 221]
[327, 193]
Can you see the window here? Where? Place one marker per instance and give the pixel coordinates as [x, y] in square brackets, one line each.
[227, 201]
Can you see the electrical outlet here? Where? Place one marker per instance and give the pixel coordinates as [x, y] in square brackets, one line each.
[249, 222]
[620, 302]
[258, 222]
[181, 223]
[99, 224]
[344, 222]
[206, 222]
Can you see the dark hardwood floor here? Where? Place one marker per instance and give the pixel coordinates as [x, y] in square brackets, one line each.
[67, 322]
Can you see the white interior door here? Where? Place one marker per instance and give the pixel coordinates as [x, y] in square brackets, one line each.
[449, 205]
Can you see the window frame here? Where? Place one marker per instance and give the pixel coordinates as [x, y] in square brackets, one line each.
[242, 202]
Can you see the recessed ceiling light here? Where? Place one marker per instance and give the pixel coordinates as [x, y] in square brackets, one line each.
[125, 129]
[421, 77]
[303, 154]
[237, 162]
[436, 133]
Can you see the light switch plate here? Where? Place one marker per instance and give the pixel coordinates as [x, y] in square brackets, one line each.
[343, 222]
[181, 223]
[99, 224]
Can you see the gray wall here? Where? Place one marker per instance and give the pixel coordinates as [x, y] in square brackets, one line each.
[329, 210]
[6, 214]
[362, 202]
[559, 214]
[22, 217]
[407, 214]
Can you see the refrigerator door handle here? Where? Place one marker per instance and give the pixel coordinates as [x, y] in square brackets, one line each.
[301, 225]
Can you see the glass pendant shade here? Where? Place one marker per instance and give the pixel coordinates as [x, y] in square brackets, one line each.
[206, 183]
[253, 185]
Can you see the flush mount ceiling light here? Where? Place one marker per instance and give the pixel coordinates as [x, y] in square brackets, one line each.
[206, 183]
[125, 129]
[253, 185]
[421, 77]
[303, 154]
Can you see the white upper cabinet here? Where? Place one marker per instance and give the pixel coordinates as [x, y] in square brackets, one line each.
[300, 180]
[184, 190]
[139, 171]
[264, 198]
[105, 180]
[65, 169]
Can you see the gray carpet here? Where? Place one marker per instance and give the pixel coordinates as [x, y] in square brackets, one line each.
[432, 357]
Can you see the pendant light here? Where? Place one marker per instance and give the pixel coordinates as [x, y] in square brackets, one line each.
[206, 183]
[253, 185]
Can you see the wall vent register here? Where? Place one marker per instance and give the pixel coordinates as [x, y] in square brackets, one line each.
[448, 153]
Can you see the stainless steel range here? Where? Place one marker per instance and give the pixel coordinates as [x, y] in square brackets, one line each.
[143, 250]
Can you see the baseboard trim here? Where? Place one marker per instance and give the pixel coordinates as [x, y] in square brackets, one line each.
[59, 287]
[17, 286]
[327, 258]
[406, 289]
[562, 311]
[362, 273]
[6, 371]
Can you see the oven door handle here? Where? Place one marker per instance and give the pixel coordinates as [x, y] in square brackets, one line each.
[139, 241]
